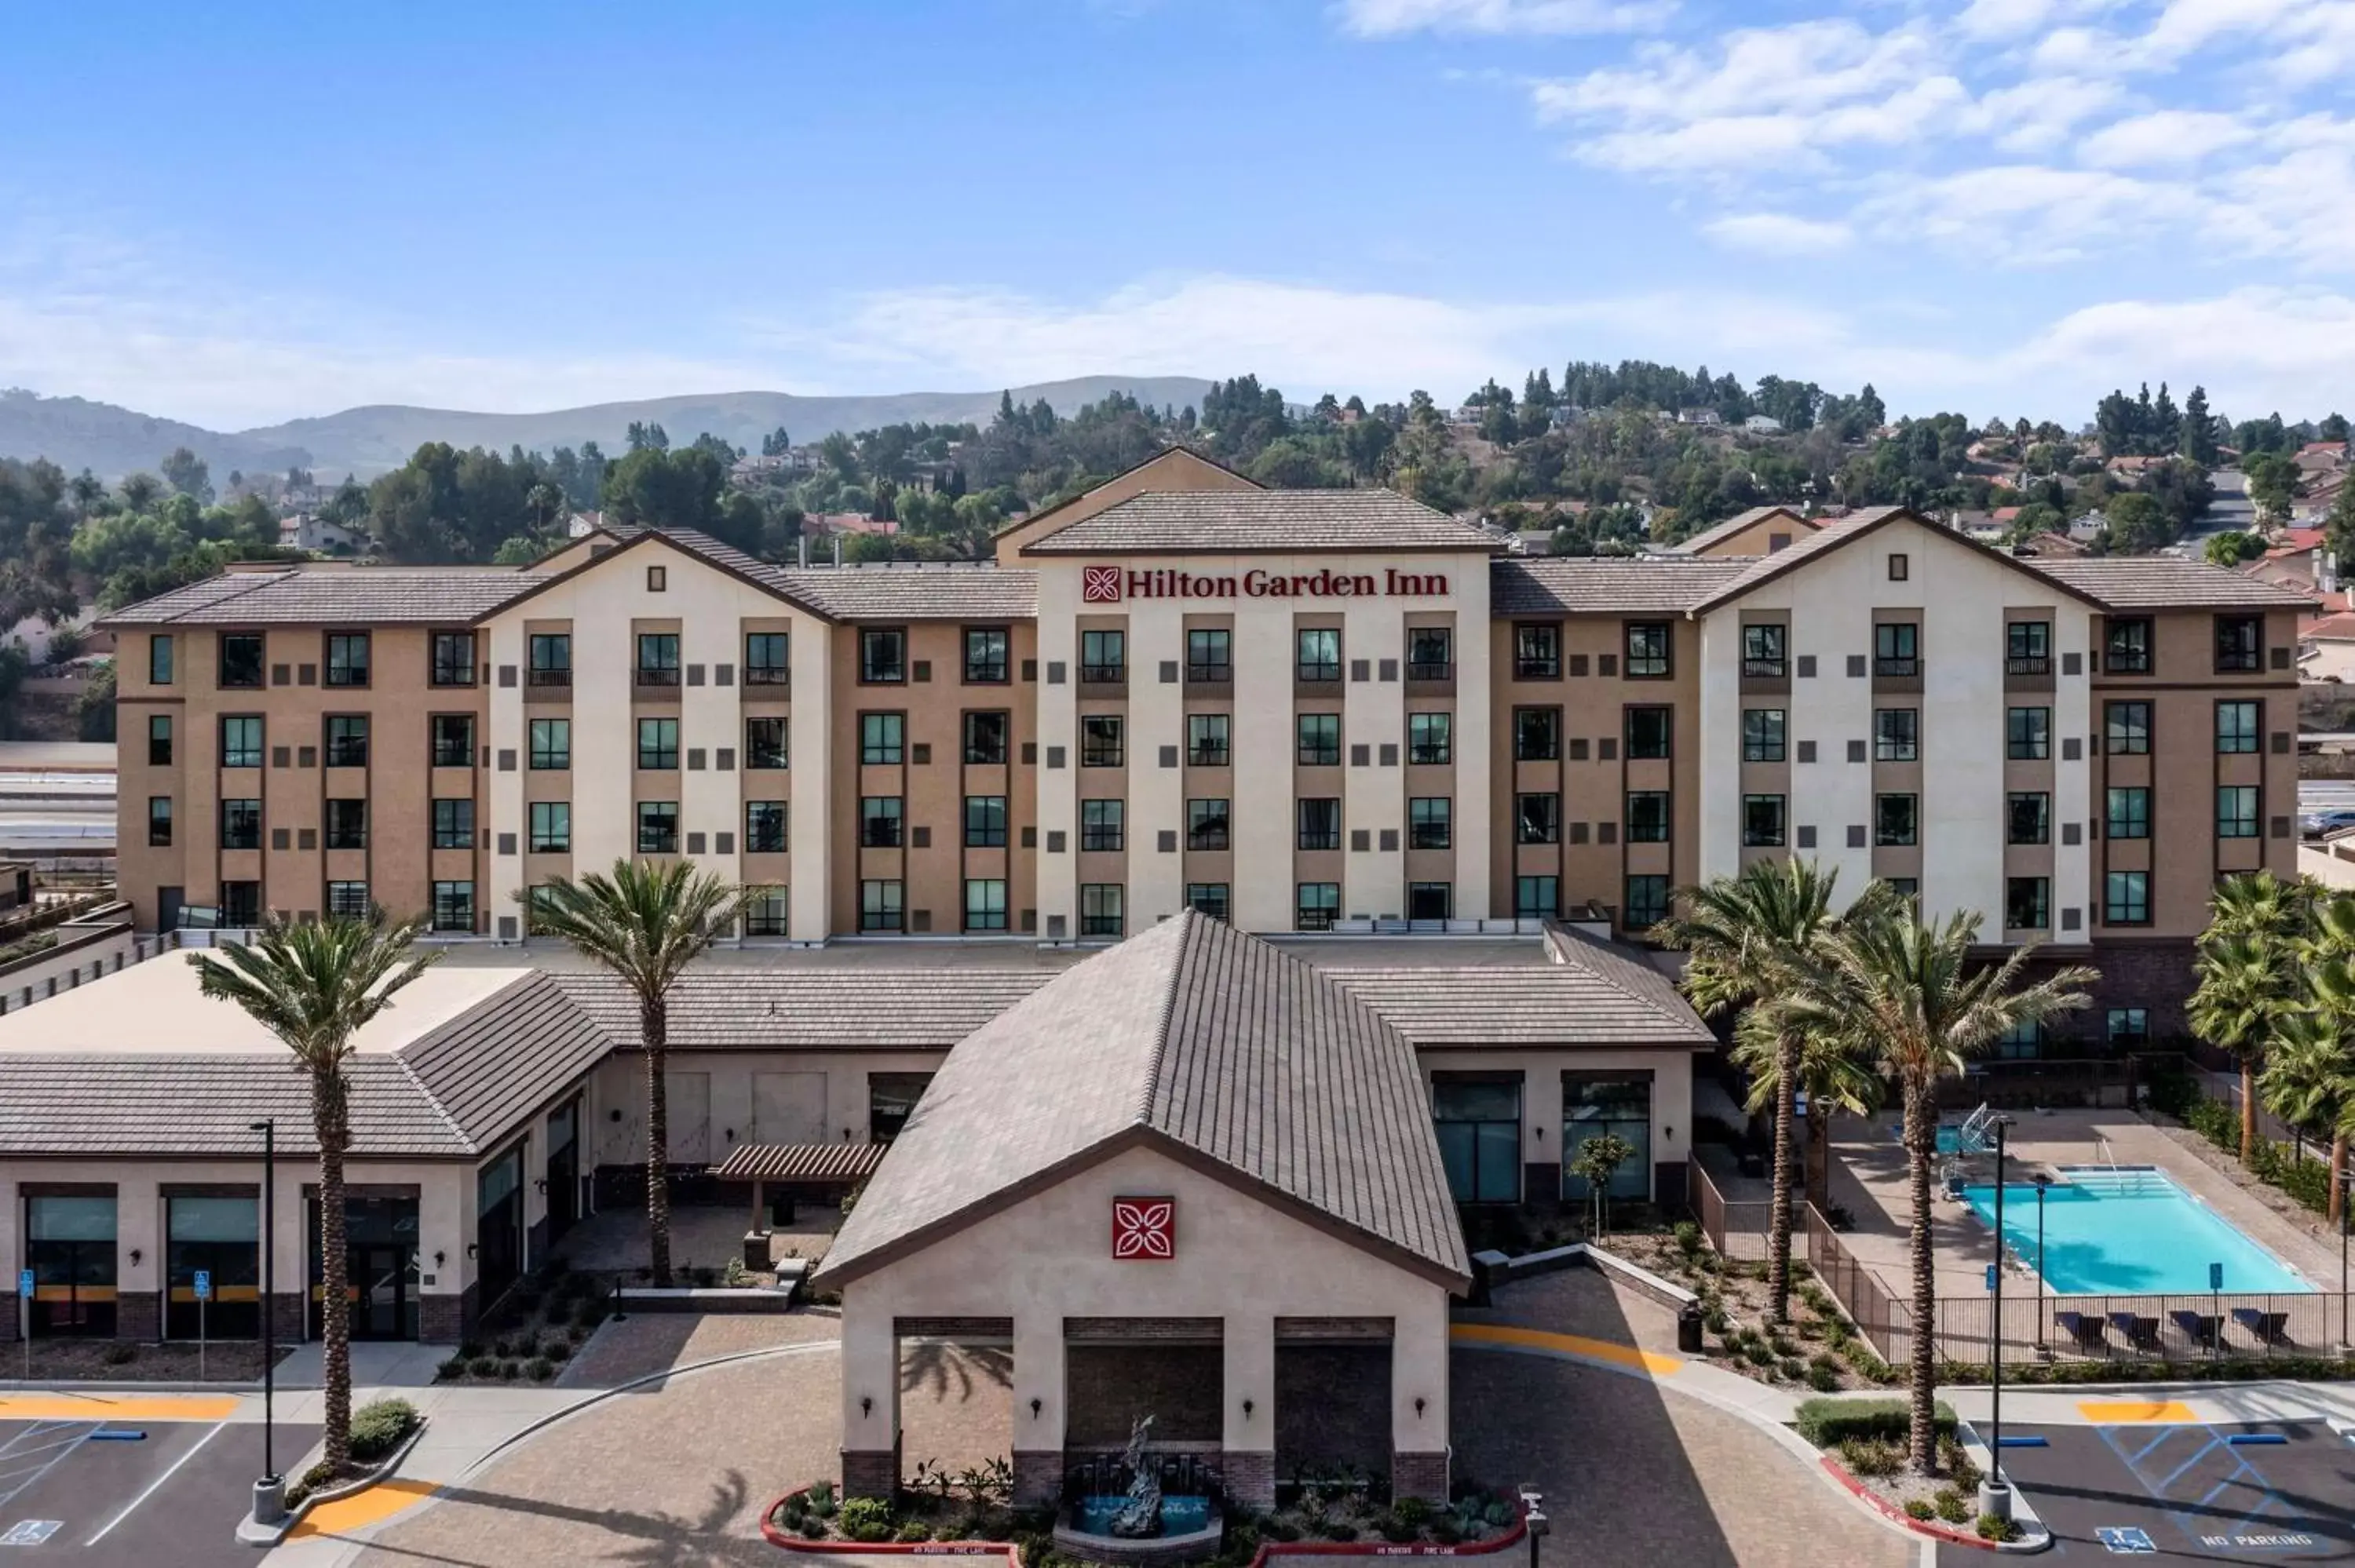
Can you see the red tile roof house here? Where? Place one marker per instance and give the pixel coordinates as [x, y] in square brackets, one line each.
[2326, 649]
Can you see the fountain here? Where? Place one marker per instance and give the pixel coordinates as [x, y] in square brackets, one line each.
[1139, 1511]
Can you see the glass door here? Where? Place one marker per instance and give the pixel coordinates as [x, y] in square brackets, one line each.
[1479, 1123]
[220, 1236]
[563, 1170]
[381, 1261]
[498, 1252]
[1618, 1105]
[69, 1246]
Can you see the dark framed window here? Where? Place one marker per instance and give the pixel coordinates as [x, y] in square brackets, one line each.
[1646, 903]
[985, 737]
[1430, 652]
[1537, 819]
[454, 824]
[765, 742]
[2028, 734]
[2128, 814]
[551, 827]
[879, 818]
[658, 827]
[1104, 825]
[1762, 822]
[159, 740]
[1761, 734]
[987, 656]
[2240, 644]
[1318, 739]
[1206, 740]
[2027, 903]
[347, 659]
[1899, 567]
[1209, 655]
[159, 820]
[2028, 817]
[240, 905]
[1537, 735]
[240, 659]
[1430, 900]
[453, 906]
[1897, 734]
[2126, 646]
[1321, 653]
[985, 904]
[2125, 898]
[1648, 732]
[346, 824]
[1896, 820]
[2236, 811]
[882, 738]
[1315, 906]
[240, 741]
[1763, 652]
[347, 900]
[2021, 1043]
[657, 745]
[1431, 822]
[70, 1247]
[1648, 816]
[347, 740]
[1206, 825]
[1430, 739]
[768, 914]
[1101, 909]
[1897, 648]
[657, 578]
[454, 659]
[1100, 741]
[1647, 649]
[881, 907]
[764, 827]
[891, 1096]
[2126, 1028]
[1616, 1103]
[1536, 897]
[1537, 651]
[551, 745]
[882, 656]
[159, 660]
[2237, 728]
[551, 659]
[452, 739]
[984, 822]
[2126, 729]
[1103, 657]
[767, 658]
[1320, 822]
[2028, 647]
[657, 658]
[1212, 898]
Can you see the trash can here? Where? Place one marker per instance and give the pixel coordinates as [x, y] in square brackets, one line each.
[1689, 1329]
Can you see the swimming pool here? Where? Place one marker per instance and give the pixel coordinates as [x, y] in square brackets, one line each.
[2129, 1232]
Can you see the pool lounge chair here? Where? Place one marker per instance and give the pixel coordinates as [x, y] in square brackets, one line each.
[2198, 1327]
[2140, 1331]
[2091, 1335]
[2265, 1327]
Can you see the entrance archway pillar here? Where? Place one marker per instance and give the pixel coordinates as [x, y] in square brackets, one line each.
[871, 1398]
[1247, 1435]
[1040, 1409]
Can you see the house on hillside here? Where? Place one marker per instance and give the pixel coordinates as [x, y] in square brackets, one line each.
[1760, 425]
[1698, 417]
[306, 531]
[2326, 649]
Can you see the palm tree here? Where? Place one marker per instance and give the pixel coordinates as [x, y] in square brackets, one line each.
[2311, 1078]
[315, 984]
[1831, 1073]
[1912, 995]
[646, 923]
[1751, 937]
[2247, 983]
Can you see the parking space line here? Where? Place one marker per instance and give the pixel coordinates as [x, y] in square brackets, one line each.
[61, 1450]
[134, 1505]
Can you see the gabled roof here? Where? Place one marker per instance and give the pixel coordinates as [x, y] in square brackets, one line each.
[1735, 525]
[2166, 582]
[1035, 518]
[1237, 522]
[74, 1105]
[335, 596]
[1606, 584]
[1198, 1040]
[1852, 527]
[1594, 994]
[818, 1008]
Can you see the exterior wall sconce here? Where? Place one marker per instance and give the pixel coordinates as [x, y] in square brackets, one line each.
[541, 1182]
[438, 1258]
[1036, 1406]
[1247, 1407]
[1418, 1407]
[473, 1248]
[135, 1256]
[866, 1407]
[1538, 1132]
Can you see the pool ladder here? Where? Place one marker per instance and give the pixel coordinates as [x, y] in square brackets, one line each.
[2102, 1150]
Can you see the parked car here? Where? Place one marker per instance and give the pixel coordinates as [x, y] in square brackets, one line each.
[2323, 824]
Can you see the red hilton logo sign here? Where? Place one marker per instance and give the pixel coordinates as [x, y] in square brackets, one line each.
[1143, 1230]
[1111, 584]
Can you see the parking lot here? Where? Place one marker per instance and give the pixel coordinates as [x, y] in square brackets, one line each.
[131, 1483]
[2188, 1493]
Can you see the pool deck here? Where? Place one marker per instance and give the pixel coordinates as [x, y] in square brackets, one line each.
[1868, 1178]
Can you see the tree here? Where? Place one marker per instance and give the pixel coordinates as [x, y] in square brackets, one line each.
[646, 923]
[1596, 1162]
[1830, 1073]
[2246, 970]
[187, 473]
[1917, 999]
[2309, 1079]
[776, 443]
[315, 984]
[2198, 440]
[2332, 429]
[2231, 547]
[2273, 483]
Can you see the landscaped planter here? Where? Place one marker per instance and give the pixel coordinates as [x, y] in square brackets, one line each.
[256, 1534]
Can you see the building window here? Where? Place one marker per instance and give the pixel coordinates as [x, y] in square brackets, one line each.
[452, 739]
[1430, 653]
[1761, 653]
[242, 742]
[2125, 898]
[657, 578]
[1206, 825]
[2028, 818]
[1209, 897]
[985, 660]
[880, 905]
[985, 904]
[1321, 653]
[658, 827]
[658, 658]
[1761, 734]
[891, 1098]
[159, 661]
[1897, 734]
[159, 820]
[984, 822]
[551, 659]
[2240, 644]
[1320, 823]
[347, 659]
[984, 738]
[2126, 646]
[1536, 652]
[2028, 734]
[454, 824]
[1430, 823]
[766, 660]
[348, 741]
[1318, 737]
[453, 906]
[551, 827]
[1899, 567]
[1537, 735]
[2027, 648]
[1104, 825]
[1896, 820]
[1537, 819]
[2236, 727]
[657, 744]
[1206, 739]
[1619, 1106]
[882, 656]
[159, 740]
[1429, 739]
[2129, 813]
[240, 659]
[1429, 901]
[1905, 886]
[768, 914]
[551, 745]
[346, 824]
[1897, 649]
[1646, 903]
[1647, 733]
[764, 827]
[454, 659]
[2126, 727]
[1100, 741]
[1209, 655]
[2237, 811]
[1104, 656]
[1480, 1136]
[2021, 1043]
[1316, 905]
[2128, 1028]
[880, 737]
[1536, 897]
[1101, 910]
[1647, 649]
[240, 905]
[879, 822]
[1648, 816]
[347, 900]
[765, 742]
[1762, 822]
[2027, 903]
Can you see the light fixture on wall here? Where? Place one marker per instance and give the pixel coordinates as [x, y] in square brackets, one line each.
[472, 1247]
[1036, 1406]
[1418, 1406]
[614, 1115]
[1538, 1132]
[729, 1133]
[866, 1407]
[439, 1259]
[541, 1182]
[135, 1257]
[1668, 1134]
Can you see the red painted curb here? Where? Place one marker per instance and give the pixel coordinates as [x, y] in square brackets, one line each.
[1512, 1537]
[1895, 1515]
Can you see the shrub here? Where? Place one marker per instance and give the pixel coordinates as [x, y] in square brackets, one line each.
[1992, 1528]
[1828, 1423]
[1284, 1530]
[1823, 1379]
[557, 1351]
[822, 1500]
[1759, 1353]
[589, 1312]
[121, 1354]
[1872, 1455]
[1444, 1533]
[1393, 1529]
[1687, 1234]
[316, 1478]
[541, 1369]
[484, 1366]
[1338, 1529]
[379, 1426]
[510, 1370]
[1919, 1508]
[867, 1519]
[1951, 1506]
[914, 1530]
[503, 1346]
[1792, 1367]
[455, 1367]
[1417, 1511]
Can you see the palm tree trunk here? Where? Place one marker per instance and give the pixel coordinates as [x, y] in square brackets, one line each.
[1921, 1144]
[2248, 1109]
[1819, 1150]
[2337, 1175]
[655, 1020]
[1778, 1219]
[330, 1118]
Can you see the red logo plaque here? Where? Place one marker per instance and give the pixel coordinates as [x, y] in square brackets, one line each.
[1143, 1230]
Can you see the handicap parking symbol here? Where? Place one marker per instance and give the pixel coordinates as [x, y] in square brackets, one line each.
[2126, 1540]
[30, 1532]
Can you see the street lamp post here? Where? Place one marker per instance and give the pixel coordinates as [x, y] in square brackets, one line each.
[2043, 1179]
[1533, 1519]
[269, 1491]
[1994, 1496]
[2346, 1191]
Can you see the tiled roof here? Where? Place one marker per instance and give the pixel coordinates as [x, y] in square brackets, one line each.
[496, 1064]
[1606, 584]
[1230, 522]
[188, 1104]
[812, 1009]
[1190, 1034]
[914, 590]
[2166, 582]
[349, 596]
[1733, 525]
[1597, 996]
[2336, 628]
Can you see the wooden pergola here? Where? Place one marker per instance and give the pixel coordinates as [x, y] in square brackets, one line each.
[841, 1165]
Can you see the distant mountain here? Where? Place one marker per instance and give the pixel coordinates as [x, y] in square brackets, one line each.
[366, 441]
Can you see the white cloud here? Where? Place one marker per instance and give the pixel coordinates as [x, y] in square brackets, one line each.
[2256, 348]
[1392, 18]
[1779, 234]
[2026, 215]
[2038, 113]
[2164, 137]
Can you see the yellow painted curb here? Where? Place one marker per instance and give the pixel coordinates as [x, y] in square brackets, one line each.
[126, 1407]
[377, 1504]
[2122, 1412]
[1572, 1344]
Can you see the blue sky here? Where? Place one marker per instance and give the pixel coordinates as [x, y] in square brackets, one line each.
[241, 213]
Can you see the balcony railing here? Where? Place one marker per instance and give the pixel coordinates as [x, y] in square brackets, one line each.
[990, 672]
[1427, 755]
[767, 676]
[1318, 671]
[1429, 670]
[2028, 664]
[1894, 666]
[1206, 756]
[1102, 675]
[559, 678]
[1210, 674]
[1537, 669]
[1764, 668]
[658, 677]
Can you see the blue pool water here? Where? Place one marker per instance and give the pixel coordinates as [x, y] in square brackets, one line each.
[2129, 1233]
[1950, 1142]
[1180, 1515]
